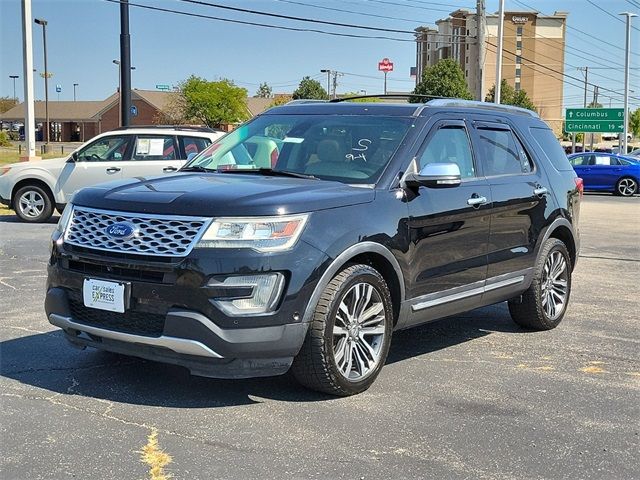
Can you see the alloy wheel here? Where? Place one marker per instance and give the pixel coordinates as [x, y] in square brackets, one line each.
[554, 287]
[31, 204]
[627, 187]
[358, 331]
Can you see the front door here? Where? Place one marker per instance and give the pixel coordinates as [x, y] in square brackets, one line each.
[449, 227]
[100, 161]
[152, 156]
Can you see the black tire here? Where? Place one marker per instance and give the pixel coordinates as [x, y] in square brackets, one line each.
[32, 204]
[626, 187]
[530, 309]
[316, 366]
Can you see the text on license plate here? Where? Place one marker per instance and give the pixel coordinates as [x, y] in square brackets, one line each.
[103, 295]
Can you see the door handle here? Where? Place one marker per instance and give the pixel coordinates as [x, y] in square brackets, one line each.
[540, 191]
[476, 200]
[169, 169]
[113, 169]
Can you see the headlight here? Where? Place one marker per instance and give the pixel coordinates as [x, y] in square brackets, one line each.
[64, 218]
[263, 234]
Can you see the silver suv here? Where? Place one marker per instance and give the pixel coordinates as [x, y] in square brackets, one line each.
[35, 189]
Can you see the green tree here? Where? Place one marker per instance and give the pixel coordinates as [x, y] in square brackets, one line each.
[360, 100]
[444, 79]
[7, 103]
[634, 123]
[310, 89]
[280, 100]
[594, 105]
[264, 91]
[214, 103]
[509, 96]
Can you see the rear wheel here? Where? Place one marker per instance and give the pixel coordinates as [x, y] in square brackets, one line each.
[626, 187]
[349, 335]
[32, 204]
[544, 304]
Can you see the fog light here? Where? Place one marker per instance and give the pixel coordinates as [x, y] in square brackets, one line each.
[263, 297]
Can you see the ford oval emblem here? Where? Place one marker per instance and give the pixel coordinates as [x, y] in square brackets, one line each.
[121, 230]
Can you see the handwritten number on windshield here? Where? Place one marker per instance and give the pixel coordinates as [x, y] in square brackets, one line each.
[363, 146]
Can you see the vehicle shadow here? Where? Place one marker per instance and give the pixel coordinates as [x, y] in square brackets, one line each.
[12, 218]
[48, 362]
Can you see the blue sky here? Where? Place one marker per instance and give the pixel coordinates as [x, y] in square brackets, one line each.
[83, 39]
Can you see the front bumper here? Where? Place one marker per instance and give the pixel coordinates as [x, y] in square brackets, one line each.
[171, 318]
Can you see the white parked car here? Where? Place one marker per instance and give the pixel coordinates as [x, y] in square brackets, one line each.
[34, 189]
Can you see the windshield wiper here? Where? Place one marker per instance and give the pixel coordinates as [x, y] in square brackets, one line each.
[196, 168]
[269, 172]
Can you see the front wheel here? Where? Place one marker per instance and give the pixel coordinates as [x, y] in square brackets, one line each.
[32, 204]
[626, 187]
[544, 304]
[349, 336]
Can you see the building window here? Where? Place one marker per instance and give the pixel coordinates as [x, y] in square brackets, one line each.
[428, 46]
[518, 72]
[467, 46]
[518, 59]
[428, 57]
[467, 32]
[517, 86]
[519, 31]
[519, 44]
[466, 73]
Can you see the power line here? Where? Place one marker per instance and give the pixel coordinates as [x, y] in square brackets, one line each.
[256, 24]
[297, 19]
[322, 7]
[395, 4]
[610, 14]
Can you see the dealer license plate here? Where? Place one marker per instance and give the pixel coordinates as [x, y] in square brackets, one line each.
[103, 295]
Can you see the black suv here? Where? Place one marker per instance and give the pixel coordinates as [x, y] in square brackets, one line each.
[302, 239]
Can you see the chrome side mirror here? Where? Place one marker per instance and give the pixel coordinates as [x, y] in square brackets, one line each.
[435, 175]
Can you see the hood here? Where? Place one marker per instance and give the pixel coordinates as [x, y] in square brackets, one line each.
[51, 164]
[222, 194]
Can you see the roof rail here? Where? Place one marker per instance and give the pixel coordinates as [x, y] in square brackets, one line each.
[386, 95]
[458, 102]
[191, 128]
[305, 100]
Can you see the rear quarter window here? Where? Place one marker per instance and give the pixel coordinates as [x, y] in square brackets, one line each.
[551, 148]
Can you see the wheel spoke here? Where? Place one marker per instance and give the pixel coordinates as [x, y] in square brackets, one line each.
[377, 330]
[372, 311]
[337, 330]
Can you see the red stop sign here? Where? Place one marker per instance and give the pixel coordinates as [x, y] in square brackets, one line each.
[385, 65]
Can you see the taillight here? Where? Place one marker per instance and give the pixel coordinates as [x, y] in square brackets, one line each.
[274, 157]
[579, 185]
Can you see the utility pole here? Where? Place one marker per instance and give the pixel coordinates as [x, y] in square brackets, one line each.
[335, 82]
[627, 54]
[498, 86]
[14, 78]
[594, 104]
[74, 91]
[125, 64]
[481, 19]
[46, 76]
[586, 83]
[27, 62]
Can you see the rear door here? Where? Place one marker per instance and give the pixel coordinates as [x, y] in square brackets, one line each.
[153, 155]
[606, 170]
[449, 227]
[520, 192]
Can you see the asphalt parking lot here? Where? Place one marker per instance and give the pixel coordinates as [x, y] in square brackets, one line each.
[472, 396]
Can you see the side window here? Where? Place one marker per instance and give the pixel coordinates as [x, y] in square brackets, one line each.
[449, 145]
[604, 160]
[154, 147]
[579, 161]
[502, 153]
[105, 149]
[193, 144]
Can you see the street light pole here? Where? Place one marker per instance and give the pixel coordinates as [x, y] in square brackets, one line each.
[627, 54]
[117, 62]
[328, 72]
[43, 23]
[74, 91]
[14, 78]
[498, 87]
[125, 59]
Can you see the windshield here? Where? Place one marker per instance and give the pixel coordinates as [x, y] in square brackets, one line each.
[350, 149]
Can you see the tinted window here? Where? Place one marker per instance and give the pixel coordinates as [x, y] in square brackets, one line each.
[154, 147]
[545, 138]
[104, 149]
[193, 144]
[502, 153]
[580, 160]
[449, 145]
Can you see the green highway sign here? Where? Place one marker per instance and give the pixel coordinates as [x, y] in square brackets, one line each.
[595, 126]
[594, 120]
[595, 114]
[162, 87]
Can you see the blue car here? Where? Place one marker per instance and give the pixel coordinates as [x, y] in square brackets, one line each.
[607, 172]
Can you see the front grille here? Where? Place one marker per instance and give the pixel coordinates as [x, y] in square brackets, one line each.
[137, 323]
[155, 235]
[120, 273]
